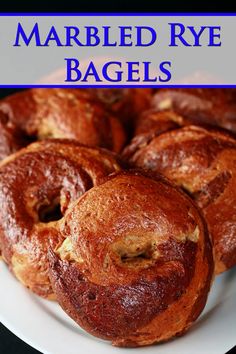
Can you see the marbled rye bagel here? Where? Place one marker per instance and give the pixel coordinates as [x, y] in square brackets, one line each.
[203, 163]
[215, 106]
[63, 113]
[136, 263]
[37, 184]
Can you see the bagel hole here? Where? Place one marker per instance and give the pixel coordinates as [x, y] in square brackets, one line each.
[136, 256]
[50, 212]
[134, 252]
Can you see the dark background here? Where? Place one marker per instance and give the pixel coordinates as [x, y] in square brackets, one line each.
[10, 344]
[117, 6]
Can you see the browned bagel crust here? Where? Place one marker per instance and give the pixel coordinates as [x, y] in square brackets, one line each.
[136, 265]
[158, 122]
[64, 113]
[150, 124]
[203, 163]
[41, 179]
[213, 106]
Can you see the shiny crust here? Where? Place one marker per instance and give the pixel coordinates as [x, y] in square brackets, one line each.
[150, 124]
[64, 113]
[140, 262]
[203, 163]
[215, 106]
[156, 122]
[48, 174]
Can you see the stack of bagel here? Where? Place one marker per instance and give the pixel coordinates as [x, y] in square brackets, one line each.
[120, 204]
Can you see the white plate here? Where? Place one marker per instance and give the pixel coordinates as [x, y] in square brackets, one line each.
[44, 325]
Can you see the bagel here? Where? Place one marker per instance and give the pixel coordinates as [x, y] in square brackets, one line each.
[215, 106]
[37, 185]
[136, 264]
[63, 113]
[203, 163]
